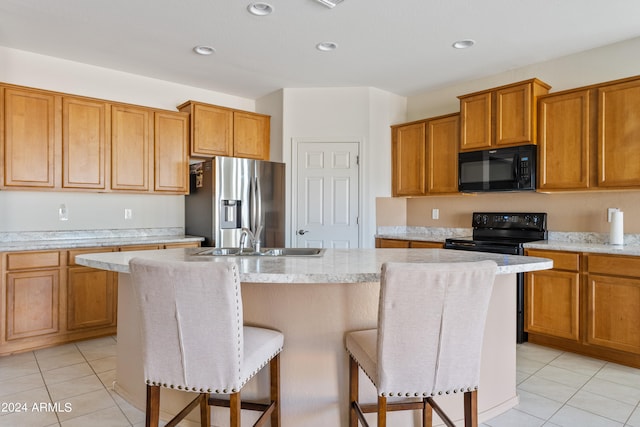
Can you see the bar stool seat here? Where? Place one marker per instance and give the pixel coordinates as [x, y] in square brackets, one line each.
[428, 342]
[194, 340]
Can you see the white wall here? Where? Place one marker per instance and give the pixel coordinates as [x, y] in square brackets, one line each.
[272, 104]
[598, 65]
[37, 211]
[347, 114]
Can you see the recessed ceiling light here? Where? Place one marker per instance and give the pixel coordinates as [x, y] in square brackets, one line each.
[326, 46]
[260, 9]
[329, 3]
[204, 50]
[463, 44]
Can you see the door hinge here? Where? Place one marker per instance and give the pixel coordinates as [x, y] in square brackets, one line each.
[358, 160]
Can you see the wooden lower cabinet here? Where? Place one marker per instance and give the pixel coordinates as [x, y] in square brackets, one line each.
[587, 304]
[92, 294]
[47, 299]
[552, 297]
[400, 243]
[32, 304]
[613, 302]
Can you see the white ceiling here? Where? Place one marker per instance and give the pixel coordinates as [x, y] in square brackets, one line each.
[401, 46]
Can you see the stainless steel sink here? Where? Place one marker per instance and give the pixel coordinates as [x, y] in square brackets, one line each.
[267, 252]
[294, 252]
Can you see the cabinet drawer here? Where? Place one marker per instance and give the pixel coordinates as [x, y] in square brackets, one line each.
[72, 254]
[25, 260]
[614, 265]
[569, 261]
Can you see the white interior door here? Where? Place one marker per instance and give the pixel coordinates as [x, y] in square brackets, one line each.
[327, 198]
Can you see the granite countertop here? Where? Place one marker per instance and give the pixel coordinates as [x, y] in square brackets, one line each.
[43, 240]
[334, 266]
[558, 241]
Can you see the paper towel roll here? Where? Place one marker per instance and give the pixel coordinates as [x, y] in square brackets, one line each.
[616, 235]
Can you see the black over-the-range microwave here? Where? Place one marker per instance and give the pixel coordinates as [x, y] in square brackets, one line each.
[502, 169]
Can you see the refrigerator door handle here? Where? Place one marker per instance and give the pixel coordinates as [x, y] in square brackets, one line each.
[258, 208]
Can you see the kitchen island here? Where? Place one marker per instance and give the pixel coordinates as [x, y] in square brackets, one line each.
[314, 301]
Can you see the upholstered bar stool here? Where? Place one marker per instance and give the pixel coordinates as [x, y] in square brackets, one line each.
[193, 339]
[428, 342]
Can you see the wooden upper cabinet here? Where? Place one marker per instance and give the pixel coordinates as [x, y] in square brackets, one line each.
[424, 156]
[31, 137]
[220, 131]
[619, 134]
[409, 159]
[130, 142]
[211, 129]
[251, 135]
[564, 141]
[475, 111]
[171, 159]
[443, 135]
[500, 117]
[85, 143]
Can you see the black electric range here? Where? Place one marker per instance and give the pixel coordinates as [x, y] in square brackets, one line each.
[504, 233]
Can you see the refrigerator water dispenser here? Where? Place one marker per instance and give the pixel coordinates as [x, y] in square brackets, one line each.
[230, 214]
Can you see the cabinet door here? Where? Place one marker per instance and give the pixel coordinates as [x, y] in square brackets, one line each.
[250, 135]
[513, 115]
[619, 135]
[91, 298]
[211, 131]
[84, 143]
[31, 135]
[171, 136]
[553, 303]
[613, 312]
[32, 304]
[409, 157]
[443, 139]
[564, 141]
[475, 122]
[130, 148]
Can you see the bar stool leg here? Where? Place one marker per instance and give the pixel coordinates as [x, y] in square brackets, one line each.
[427, 414]
[471, 409]
[234, 409]
[382, 411]
[152, 418]
[353, 391]
[205, 411]
[274, 375]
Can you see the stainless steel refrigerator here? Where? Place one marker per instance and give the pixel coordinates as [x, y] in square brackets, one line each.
[228, 194]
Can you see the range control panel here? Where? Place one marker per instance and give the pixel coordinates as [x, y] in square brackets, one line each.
[505, 220]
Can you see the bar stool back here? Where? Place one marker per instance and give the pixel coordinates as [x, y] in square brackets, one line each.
[431, 322]
[193, 338]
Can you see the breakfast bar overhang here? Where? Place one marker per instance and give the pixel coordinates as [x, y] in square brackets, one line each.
[314, 300]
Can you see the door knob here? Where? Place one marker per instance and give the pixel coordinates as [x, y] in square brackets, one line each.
[301, 232]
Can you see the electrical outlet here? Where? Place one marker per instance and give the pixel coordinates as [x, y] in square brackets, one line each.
[611, 211]
[435, 213]
[128, 213]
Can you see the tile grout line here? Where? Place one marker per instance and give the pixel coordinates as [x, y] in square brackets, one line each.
[103, 386]
[46, 386]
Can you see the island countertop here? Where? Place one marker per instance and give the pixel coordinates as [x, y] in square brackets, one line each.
[334, 266]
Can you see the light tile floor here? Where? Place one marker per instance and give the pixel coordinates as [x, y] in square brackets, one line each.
[556, 389]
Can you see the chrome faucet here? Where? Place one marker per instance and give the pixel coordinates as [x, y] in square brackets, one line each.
[254, 238]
